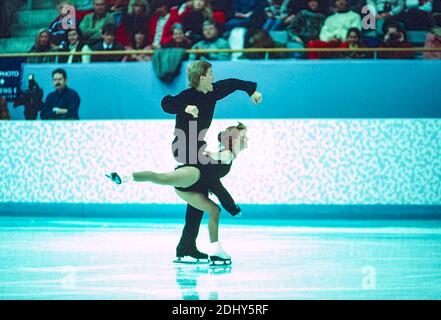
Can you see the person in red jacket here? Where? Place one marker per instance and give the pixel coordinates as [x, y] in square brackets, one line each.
[160, 25]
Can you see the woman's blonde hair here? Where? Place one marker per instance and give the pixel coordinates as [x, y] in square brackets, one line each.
[230, 134]
[195, 70]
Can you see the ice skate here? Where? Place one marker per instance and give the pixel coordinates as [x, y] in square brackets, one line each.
[119, 178]
[218, 256]
[190, 255]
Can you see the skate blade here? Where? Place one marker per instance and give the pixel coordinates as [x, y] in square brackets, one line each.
[216, 261]
[188, 260]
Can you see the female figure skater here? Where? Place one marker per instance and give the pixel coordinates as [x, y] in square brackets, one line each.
[194, 109]
[192, 180]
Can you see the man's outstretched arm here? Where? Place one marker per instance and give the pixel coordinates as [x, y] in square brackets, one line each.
[225, 87]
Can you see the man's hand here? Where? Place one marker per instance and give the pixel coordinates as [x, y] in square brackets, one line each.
[193, 110]
[256, 97]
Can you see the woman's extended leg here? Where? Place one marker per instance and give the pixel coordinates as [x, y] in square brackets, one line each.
[201, 202]
[182, 177]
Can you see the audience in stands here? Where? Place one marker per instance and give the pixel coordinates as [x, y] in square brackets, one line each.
[161, 22]
[108, 43]
[92, 24]
[353, 40]
[335, 29]
[221, 11]
[385, 12]
[307, 23]
[433, 39]
[276, 12]
[262, 39]
[395, 37]
[136, 19]
[417, 15]
[75, 43]
[117, 5]
[43, 44]
[139, 42]
[63, 103]
[336, 26]
[193, 14]
[246, 14]
[56, 28]
[211, 41]
[179, 40]
[83, 5]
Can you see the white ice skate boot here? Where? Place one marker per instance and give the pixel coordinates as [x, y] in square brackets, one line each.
[218, 256]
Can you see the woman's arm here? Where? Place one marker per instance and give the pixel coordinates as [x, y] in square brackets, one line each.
[225, 156]
[226, 200]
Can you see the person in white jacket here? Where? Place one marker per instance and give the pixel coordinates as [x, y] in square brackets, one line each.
[337, 25]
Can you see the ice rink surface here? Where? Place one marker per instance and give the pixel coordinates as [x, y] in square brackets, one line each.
[50, 258]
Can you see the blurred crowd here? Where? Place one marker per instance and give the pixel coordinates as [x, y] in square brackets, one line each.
[102, 25]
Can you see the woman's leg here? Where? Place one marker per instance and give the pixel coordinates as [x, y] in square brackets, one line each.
[201, 202]
[182, 177]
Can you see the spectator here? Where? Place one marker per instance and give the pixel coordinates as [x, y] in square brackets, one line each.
[353, 40]
[139, 42]
[118, 6]
[4, 112]
[395, 37]
[246, 14]
[179, 40]
[136, 19]
[42, 44]
[417, 15]
[261, 39]
[335, 30]
[75, 43]
[336, 26]
[108, 43]
[56, 28]
[193, 15]
[306, 25]
[356, 5]
[161, 23]
[221, 11]
[276, 14]
[433, 39]
[211, 41]
[385, 12]
[93, 23]
[63, 103]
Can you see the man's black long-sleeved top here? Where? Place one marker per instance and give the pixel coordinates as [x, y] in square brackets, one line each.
[195, 128]
[67, 99]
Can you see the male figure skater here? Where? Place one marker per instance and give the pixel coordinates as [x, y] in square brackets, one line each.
[194, 109]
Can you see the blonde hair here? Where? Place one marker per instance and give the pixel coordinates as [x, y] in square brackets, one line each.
[230, 134]
[195, 70]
